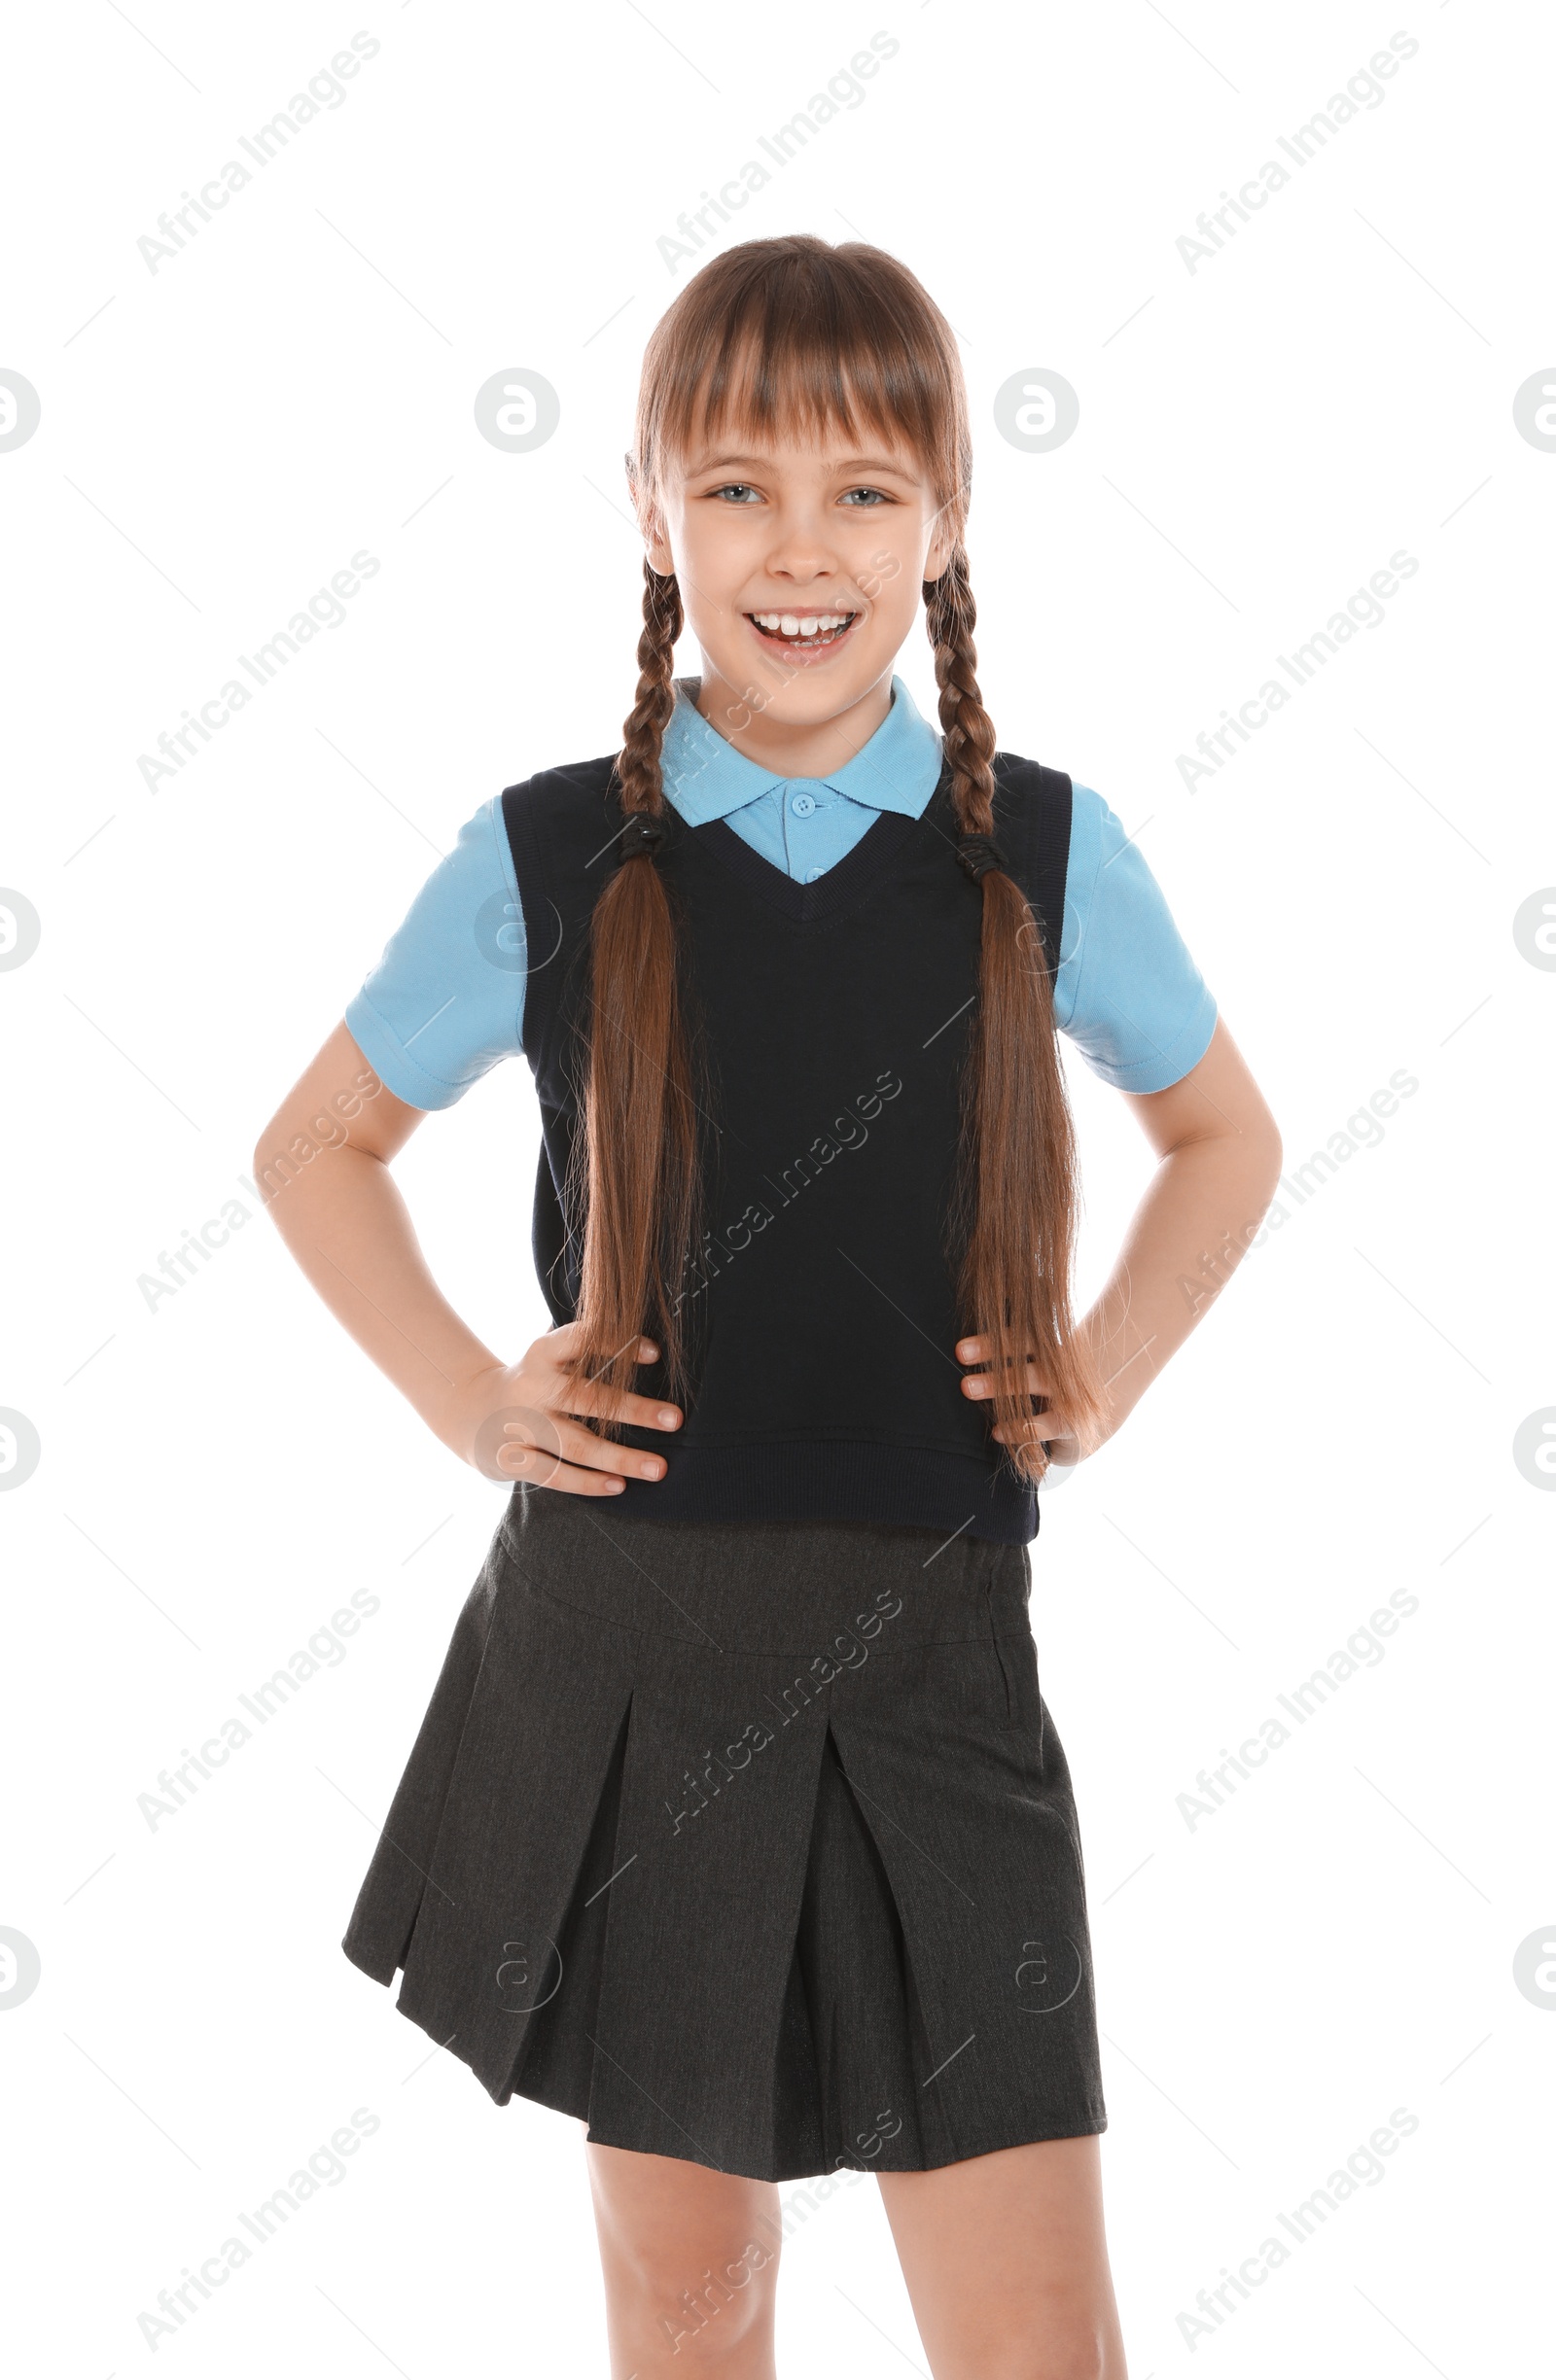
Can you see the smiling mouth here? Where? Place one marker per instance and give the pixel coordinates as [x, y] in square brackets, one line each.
[803, 631]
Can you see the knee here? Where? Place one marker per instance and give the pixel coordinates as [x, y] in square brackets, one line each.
[703, 2305]
[709, 2328]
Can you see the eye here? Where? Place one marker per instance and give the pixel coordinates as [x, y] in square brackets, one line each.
[875, 495]
[736, 488]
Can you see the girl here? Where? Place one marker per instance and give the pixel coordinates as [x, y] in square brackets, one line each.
[737, 1826]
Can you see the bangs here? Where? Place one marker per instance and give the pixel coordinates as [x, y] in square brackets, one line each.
[812, 344]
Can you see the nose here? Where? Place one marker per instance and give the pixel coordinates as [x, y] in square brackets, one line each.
[801, 550]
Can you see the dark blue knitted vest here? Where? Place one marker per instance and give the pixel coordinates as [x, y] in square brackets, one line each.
[833, 1017]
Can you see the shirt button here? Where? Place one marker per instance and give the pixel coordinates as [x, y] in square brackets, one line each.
[811, 875]
[802, 804]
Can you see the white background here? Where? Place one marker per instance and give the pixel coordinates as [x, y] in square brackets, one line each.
[1255, 438]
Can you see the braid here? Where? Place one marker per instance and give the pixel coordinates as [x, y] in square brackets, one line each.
[634, 1169]
[643, 729]
[950, 615]
[1016, 1188]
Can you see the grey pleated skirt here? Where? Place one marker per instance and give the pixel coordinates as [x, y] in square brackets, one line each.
[749, 1844]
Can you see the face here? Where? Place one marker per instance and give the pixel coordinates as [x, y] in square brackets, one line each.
[801, 569]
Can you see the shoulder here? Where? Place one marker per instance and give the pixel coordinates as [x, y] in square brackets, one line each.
[554, 823]
[564, 786]
[474, 865]
[557, 797]
[475, 871]
[1033, 797]
[481, 842]
[1033, 825]
[1057, 830]
[560, 824]
[1033, 803]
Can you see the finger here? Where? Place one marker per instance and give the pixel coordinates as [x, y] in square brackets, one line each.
[565, 1337]
[977, 1351]
[532, 1445]
[578, 1396]
[570, 1477]
[983, 1384]
[1062, 1445]
[586, 1450]
[552, 1438]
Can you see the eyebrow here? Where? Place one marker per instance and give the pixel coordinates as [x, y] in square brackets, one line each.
[858, 462]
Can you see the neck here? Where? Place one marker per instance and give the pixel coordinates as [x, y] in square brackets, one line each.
[808, 748]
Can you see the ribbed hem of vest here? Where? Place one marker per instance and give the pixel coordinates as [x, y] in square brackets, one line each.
[827, 1479]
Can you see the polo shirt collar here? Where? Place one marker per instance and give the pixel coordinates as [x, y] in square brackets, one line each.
[706, 777]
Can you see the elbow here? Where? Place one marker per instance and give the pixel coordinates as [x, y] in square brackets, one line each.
[1271, 1159]
[267, 1149]
[1263, 1151]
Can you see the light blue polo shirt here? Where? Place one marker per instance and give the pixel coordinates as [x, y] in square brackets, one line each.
[445, 1002]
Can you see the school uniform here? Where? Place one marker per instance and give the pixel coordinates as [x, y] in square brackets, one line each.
[737, 1824]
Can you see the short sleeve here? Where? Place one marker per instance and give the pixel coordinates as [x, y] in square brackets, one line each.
[1127, 992]
[445, 1002]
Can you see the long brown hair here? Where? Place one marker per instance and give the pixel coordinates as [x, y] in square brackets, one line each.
[780, 337]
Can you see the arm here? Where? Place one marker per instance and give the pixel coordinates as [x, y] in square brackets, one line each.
[322, 1165]
[1219, 1154]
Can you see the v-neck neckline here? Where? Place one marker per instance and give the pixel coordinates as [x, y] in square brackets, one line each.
[831, 891]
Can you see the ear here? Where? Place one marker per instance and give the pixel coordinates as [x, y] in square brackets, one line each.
[942, 545]
[656, 543]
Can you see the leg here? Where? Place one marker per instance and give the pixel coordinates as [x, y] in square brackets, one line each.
[691, 2259]
[1005, 2264]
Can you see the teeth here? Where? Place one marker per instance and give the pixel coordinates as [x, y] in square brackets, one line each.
[801, 623]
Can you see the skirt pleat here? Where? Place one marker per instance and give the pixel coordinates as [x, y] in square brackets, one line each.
[749, 1844]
